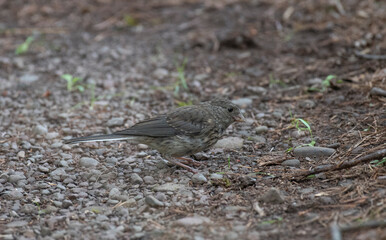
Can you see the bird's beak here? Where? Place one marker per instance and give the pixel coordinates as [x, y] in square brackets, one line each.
[239, 118]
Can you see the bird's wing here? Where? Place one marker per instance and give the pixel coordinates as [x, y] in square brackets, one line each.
[189, 120]
[153, 127]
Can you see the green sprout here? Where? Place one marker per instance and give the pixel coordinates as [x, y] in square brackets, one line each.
[326, 83]
[130, 20]
[72, 83]
[273, 81]
[23, 48]
[227, 182]
[181, 103]
[379, 162]
[181, 77]
[297, 122]
[272, 221]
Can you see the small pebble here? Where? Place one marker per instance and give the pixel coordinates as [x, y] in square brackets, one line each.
[313, 152]
[199, 178]
[115, 122]
[261, 129]
[291, 163]
[136, 179]
[153, 202]
[272, 196]
[88, 162]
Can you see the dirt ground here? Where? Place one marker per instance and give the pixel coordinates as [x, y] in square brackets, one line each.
[287, 64]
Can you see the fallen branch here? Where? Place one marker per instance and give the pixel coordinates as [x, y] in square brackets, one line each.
[370, 56]
[348, 164]
[336, 230]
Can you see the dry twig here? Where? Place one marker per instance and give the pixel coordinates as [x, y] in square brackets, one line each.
[348, 164]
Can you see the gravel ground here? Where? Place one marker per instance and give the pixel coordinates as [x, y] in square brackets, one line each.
[269, 57]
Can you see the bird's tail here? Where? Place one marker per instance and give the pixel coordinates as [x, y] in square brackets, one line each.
[98, 138]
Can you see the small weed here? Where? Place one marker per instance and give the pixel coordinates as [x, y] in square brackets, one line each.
[311, 176]
[182, 104]
[23, 48]
[273, 221]
[181, 77]
[72, 83]
[273, 81]
[297, 122]
[227, 182]
[326, 83]
[378, 163]
[130, 20]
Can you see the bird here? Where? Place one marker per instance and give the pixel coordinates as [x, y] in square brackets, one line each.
[181, 132]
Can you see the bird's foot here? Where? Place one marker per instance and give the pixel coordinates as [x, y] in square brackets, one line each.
[190, 169]
[189, 161]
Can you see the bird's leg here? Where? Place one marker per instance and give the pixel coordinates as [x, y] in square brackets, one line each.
[189, 161]
[190, 169]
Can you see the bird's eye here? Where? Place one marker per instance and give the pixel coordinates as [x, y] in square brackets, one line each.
[230, 109]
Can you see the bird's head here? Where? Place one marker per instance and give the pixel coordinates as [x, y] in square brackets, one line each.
[230, 110]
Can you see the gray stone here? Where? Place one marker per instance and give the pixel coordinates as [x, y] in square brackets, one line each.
[88, 162]
[58, 172]
[160, 196]
[136, 179]
[112, 160]
[258, 139]
[57, 145]
[15, 224]
[66, 203]
[160, 73]
[40, 130]
[198, 178]
[169, 187]
[230, 143]
[272, 196]
[153, 202]
[21, 154]
[313, 152]
[114, 193]
[15, 194]
[115, 122]
[149, 180]
[29, 209]
[375, 91]
[52, 135]
[14, 178]
[216, 176]
[26, 145]
[326, 200]
[291, 163]
[307, 104]
[44, 169]
[243, 102]
[28, 79]
[192, 221]
[261, 129]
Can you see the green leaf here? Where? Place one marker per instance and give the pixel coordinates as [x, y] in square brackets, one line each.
[22, 48]
[67, 77]
[80, 88]
[305, 124]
